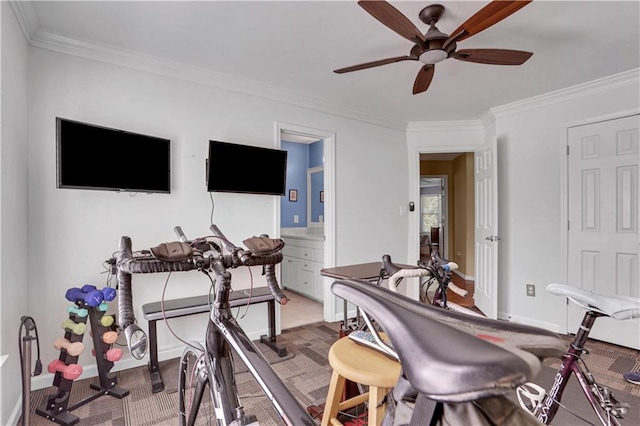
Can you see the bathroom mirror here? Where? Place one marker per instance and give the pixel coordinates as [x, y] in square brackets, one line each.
[315, 196]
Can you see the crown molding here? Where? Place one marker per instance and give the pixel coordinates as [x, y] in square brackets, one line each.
[131, 59]
[568, 93]
[26, 17]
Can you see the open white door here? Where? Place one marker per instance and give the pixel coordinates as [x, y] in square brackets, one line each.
[486, 231]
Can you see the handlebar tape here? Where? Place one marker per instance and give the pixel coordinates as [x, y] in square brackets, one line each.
[457, 290]
[406, 273]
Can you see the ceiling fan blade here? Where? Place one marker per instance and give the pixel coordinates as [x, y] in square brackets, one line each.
[423, 79]
[375, 64]
[489, 15]
[392, 18]
[493, 56]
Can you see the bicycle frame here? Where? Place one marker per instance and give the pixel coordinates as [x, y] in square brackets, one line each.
[548, 402]
[224, 333]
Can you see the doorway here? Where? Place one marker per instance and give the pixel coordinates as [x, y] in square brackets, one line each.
[306, 219]
[433, 215]
[447, 220]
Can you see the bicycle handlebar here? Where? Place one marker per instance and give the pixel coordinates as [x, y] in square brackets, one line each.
[215, 261]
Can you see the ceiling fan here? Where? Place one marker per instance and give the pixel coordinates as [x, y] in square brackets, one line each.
[435, 46]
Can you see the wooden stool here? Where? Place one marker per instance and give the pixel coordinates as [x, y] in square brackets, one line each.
[351, 361]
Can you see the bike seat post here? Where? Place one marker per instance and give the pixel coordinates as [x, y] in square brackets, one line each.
[583, 332]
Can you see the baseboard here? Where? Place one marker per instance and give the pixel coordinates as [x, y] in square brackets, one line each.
[528, 321]
[463, 276]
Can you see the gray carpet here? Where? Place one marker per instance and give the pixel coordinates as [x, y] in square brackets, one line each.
[307, 373]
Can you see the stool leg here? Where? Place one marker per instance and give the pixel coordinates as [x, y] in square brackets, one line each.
[333, 398]
[376, 405]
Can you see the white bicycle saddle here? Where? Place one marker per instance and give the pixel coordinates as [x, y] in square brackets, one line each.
[617, 307]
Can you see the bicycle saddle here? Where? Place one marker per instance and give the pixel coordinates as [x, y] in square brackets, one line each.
[448, 356]
[617, 307]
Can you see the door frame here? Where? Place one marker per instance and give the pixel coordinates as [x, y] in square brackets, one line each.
[564, 194]
[438, 146]
[329, 299]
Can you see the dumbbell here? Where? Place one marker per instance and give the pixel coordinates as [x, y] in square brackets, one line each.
[79, 312]
[69, 372]
[103, 307]
[91, 298]
[108, 293]
[109, 337]
[112, 355]
[74, 327]
[73, 349]
[106, 320]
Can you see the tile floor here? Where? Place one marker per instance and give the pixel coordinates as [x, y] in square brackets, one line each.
[299, 311]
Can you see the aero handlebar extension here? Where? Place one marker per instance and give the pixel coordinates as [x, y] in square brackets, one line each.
[206, 257]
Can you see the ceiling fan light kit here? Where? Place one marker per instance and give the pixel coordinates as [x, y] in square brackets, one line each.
[435, 46]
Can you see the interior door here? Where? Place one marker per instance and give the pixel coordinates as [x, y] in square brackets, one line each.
[486, 229]
[603, 220]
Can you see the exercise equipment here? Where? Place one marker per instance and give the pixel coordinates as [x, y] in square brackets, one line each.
[73, 349]
[78, 328]
[107, 320]
[29, 325]
[56, 407]
[109, 337]
[108, 293]
[79, 312]
[92, 298]
[69, 372]
[112, 355]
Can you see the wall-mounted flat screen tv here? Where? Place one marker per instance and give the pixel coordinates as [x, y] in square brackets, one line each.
[96, 157]
[246, 169]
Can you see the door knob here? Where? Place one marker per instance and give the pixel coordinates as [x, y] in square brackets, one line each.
[492, 238]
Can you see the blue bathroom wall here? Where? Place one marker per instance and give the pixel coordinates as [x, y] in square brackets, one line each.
[297, 164]
[316, 154]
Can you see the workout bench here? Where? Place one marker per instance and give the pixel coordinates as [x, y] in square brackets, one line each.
[199, 304]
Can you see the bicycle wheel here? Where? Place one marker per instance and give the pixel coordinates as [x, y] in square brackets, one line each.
[192, 382]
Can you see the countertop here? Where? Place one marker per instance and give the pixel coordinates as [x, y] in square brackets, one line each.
[310, 237]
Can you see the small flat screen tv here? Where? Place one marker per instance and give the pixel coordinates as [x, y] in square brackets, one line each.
[95, 157]
[246, 169]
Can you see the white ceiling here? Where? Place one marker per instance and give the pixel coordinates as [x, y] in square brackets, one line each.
[290, 48]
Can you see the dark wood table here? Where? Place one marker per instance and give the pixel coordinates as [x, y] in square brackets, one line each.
[365, 271]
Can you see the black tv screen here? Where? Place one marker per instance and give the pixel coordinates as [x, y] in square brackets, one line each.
[246, 169]
[95, 157]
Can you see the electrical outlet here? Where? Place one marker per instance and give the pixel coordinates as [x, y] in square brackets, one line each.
[531, 290]
[296, 218]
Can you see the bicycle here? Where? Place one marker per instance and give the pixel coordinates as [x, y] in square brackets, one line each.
[541, 403]
[438, 271]
[213, 366]
[544, 404]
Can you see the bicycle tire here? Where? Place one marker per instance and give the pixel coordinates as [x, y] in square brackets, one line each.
[191, 370]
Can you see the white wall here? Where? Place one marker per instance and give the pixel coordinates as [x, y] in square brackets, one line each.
[72, 232]
[13, 207]
[14, 269]
[532, 162]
